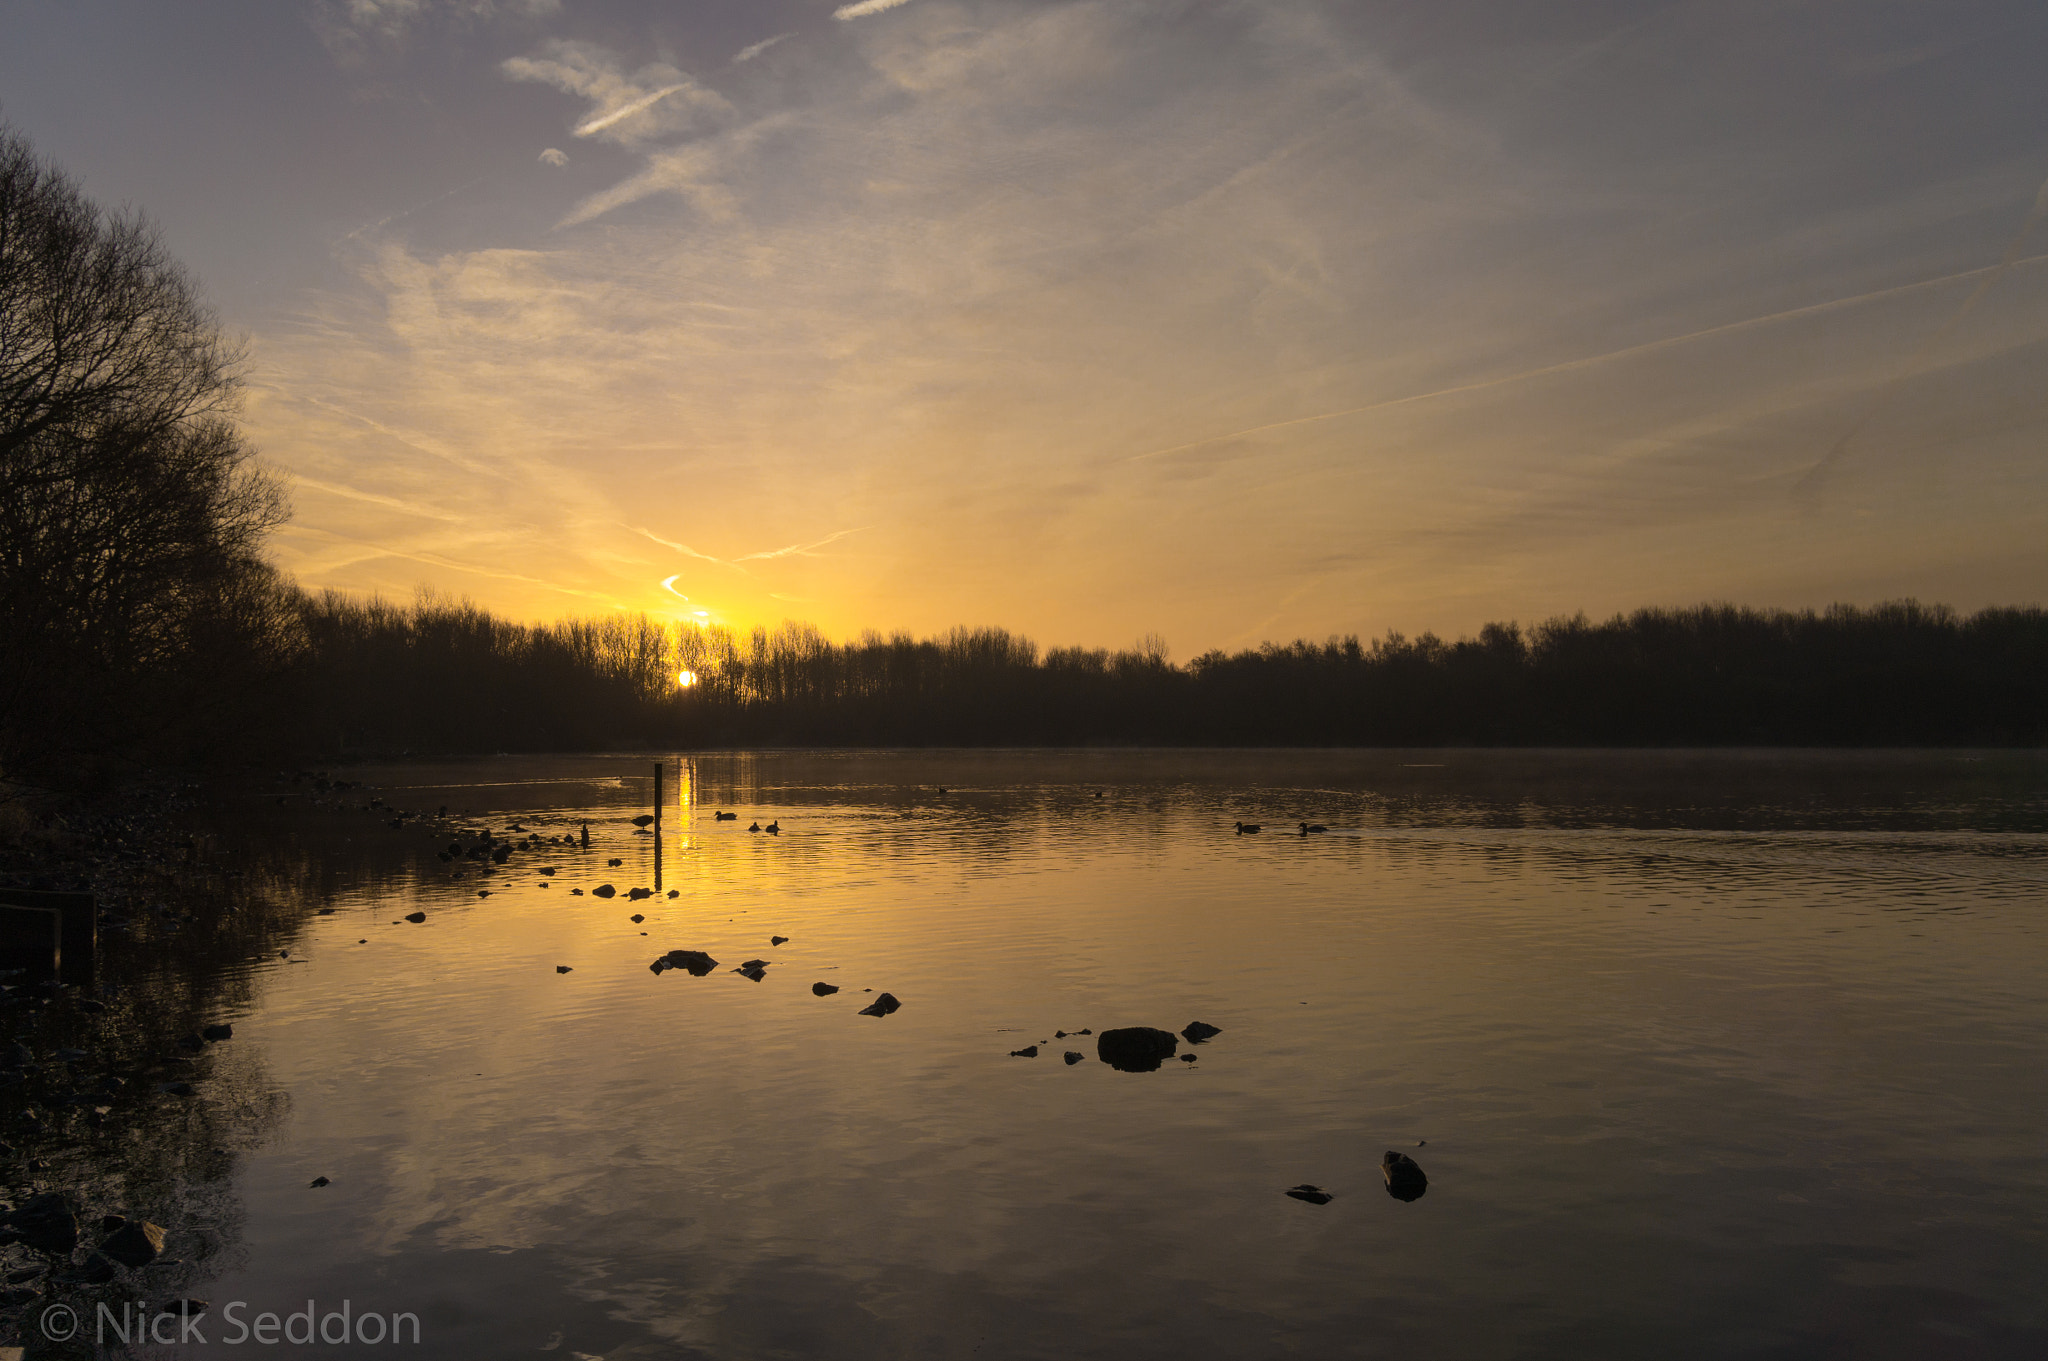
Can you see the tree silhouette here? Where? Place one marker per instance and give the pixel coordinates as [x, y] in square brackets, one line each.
[133, 599]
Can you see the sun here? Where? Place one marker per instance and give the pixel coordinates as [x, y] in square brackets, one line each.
[686, 679]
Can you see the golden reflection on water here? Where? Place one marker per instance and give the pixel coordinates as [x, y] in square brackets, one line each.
[1662, 1030]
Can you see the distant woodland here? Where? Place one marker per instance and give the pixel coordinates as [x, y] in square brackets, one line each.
[141, 624]
[439, 676]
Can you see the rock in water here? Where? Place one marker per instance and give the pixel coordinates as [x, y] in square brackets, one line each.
[603, 891]
[881, 1006]
[1029, 1051]
[674, 892]
[1135, 1049]
[636, 919]
[561, 968]
[823, 989]
[694, 962]
[136, 1243]
[753, 969]
[1314, 1195]
[636, 894]
[48, 1223]
[777, 940]
[1404, 1176]
[317, 1183]
[96, 1270]
[415, 917]
[1198, 1031]
[1073, 1058]
[217, 1033]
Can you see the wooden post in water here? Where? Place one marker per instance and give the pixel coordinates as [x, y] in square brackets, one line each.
[657, 826]
[53, 935]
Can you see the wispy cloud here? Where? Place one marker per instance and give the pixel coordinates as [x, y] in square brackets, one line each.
[375, 498]
[654, 102]
[554, 156]
[753, 50]
[1986, 276]
[864, 8]
[603, 121]
[682, 548]
[942, 279]
[800, 549]
[351, 29]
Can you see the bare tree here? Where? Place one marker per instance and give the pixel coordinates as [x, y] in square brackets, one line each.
[131, 515]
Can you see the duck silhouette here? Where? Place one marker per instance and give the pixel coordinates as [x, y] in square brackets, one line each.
[1244, 827]
[753, 826]
[723, 816]
[1308, 827]
[773, 829]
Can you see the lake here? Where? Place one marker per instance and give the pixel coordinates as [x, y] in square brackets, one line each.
[1703, 1055]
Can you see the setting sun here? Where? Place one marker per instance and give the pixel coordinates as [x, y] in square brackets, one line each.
[686, 679]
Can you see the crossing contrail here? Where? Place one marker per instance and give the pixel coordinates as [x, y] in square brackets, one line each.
[1593, 360]
[1808, 487]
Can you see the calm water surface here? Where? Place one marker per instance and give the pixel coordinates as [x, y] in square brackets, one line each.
[1711, 1055]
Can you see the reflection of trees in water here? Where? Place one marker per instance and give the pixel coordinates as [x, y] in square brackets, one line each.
[99, 1114]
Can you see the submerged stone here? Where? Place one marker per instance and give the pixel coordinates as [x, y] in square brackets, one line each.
[135, 1243]
[603, 891]
[48, 1222]
[823, 989]
[693, 962]
[881, 1006]
[1073, 1058]
[95, 1270]
[1136, 1049]
[1405, 1180]
[1029, 1051]
[1198, 1031]
[415, 917]
[1314, 1195]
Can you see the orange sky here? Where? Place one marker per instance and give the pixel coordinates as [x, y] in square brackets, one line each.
[1229, 322]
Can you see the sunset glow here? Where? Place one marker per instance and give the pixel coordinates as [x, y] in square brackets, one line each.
[1228, 323]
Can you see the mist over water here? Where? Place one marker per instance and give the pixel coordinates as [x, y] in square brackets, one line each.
[1704, 1054]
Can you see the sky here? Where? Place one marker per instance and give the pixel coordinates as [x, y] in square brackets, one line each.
[1098, 319]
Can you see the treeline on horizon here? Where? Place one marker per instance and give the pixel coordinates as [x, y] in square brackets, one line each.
[142, 624]
[441, 676]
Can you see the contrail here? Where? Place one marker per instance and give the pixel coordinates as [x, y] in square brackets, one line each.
[754, 50]
[682, 548]
[599, 124]
[799, 549]
[1808, 487]
[1592, 360]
